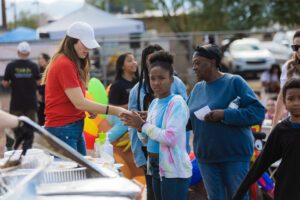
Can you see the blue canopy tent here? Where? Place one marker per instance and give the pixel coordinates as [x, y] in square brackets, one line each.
[19, 34]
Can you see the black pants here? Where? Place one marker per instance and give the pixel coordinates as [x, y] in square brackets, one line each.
[31, 113]
[40, 113]
[150, 193]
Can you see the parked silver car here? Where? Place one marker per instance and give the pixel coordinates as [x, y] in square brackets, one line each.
[247, 54]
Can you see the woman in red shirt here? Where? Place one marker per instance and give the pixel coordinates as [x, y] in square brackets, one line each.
[65, 78]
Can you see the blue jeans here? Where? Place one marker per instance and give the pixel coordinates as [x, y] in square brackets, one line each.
[167, 188]
[223, 179]
[71, 134]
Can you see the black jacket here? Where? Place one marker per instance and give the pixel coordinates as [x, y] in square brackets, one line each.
[283, 143]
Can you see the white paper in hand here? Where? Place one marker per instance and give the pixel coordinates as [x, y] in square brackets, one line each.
[200, 114]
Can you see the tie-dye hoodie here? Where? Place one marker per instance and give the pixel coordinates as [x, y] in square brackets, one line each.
[174, 161]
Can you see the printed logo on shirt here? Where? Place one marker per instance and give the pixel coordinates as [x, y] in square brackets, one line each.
[23, 72]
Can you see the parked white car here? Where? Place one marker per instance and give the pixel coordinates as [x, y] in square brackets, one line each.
[280, 52]
[247, 54]
[284, 38]
[280, 46]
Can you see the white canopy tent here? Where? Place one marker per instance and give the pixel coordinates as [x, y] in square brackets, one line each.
[103, 23]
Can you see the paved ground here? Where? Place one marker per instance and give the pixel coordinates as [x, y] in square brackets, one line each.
[195, 193]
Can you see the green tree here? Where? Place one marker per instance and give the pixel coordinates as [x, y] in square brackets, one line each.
[212, 15]
[123, 6]
[98, 3]
[285, 12]
[179, 15]
[243, 15]
[25, 18]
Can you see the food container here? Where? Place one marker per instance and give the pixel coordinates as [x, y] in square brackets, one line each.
[64, 175]
[20, 183]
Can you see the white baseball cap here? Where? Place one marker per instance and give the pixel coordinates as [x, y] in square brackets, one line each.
[84, 32]
[24, 47]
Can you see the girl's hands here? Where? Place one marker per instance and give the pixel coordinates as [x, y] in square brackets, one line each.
[133, 120]
[143, 114]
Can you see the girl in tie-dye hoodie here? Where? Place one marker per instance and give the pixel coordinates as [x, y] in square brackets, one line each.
[164, 132]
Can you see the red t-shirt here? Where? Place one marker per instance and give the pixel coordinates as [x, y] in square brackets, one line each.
[59, 109]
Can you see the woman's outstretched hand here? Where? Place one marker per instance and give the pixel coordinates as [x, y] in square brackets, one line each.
[92, 115]
[132, 119]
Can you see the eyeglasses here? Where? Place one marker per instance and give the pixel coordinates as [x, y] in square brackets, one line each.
[295, 47]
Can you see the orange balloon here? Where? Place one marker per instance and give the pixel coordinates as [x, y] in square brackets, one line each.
[98, 120]
[108, 89]
[104, 126]
[88, 96]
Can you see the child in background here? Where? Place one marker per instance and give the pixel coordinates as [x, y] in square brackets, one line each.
[126, 78]
[283, 143]
[270, 79]
[270, 109]
[165, 135]
[43, 61]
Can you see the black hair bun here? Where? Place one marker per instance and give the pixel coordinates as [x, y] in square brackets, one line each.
[161, 56]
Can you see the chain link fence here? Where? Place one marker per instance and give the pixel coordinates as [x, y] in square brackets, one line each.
[103, 59]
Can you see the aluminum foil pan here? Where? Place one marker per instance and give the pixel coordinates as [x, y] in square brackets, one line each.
[65, 175]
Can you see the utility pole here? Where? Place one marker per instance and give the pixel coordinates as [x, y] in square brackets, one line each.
[4, 24]
[37, 11]
[15, 13]
[107, 6]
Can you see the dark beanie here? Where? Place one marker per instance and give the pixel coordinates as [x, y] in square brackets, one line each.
[210, 51]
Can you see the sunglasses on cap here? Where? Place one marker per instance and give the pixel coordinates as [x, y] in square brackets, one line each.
[295, 47]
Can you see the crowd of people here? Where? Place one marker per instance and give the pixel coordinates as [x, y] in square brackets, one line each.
[155, 108]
